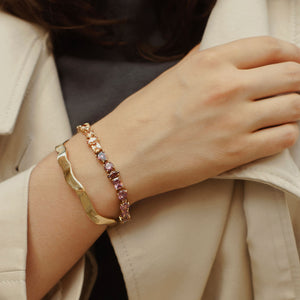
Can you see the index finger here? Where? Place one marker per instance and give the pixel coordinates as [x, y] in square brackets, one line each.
[259, 51]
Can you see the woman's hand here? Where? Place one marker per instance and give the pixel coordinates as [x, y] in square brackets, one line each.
[213, 111]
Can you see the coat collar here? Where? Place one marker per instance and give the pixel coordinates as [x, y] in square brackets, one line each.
[235, 19]
[21, 45]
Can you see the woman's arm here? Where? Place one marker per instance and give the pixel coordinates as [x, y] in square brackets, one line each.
[213, 111]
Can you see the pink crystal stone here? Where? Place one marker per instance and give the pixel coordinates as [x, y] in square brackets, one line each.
[96, 148]
[117, 184]
[122, 195]
[101, 156]
[108, 167]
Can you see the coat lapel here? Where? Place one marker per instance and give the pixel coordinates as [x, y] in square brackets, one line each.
[21, 45]
[270, 238]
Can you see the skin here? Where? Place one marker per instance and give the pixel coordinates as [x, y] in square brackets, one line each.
[213, 111]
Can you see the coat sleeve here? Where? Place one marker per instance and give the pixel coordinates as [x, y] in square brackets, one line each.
[13, 245]
[13, 236]
[31, 108]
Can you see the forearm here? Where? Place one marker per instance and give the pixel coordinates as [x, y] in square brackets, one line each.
[59, 231]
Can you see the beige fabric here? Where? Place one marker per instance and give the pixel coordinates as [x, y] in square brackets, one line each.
[226, 238]
[32, 120]
[159, 264]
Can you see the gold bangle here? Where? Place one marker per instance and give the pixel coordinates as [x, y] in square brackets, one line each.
[73, 182]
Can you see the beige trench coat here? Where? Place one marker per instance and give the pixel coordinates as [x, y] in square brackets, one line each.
[229, 238]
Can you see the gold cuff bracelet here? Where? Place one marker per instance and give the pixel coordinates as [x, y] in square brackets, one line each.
[73, 182]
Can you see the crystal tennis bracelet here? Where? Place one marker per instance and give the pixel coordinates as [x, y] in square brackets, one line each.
[112, 174]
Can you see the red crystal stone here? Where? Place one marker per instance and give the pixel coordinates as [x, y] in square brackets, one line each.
[114, 174]
[122, 195]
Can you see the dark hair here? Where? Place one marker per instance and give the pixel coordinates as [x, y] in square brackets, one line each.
[181, 22]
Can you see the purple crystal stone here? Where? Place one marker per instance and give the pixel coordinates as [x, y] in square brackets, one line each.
[117, 184]
[122, 195]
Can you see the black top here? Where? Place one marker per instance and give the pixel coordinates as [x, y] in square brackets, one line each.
[94, 81]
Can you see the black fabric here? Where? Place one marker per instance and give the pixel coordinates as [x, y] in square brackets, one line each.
[92, 88]
[94, 81]
[110, 283]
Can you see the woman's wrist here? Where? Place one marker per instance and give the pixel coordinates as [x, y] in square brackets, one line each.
[124, 149]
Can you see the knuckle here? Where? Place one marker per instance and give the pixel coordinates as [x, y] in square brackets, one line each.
[238, 149]
[226, 89]
[291, 135]
[296, 106]
[241, 84]
[219, 94]
[275, 47]
[234, 85]
[208, 58]
[293, 49]
[292, 70]
[279, 49]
